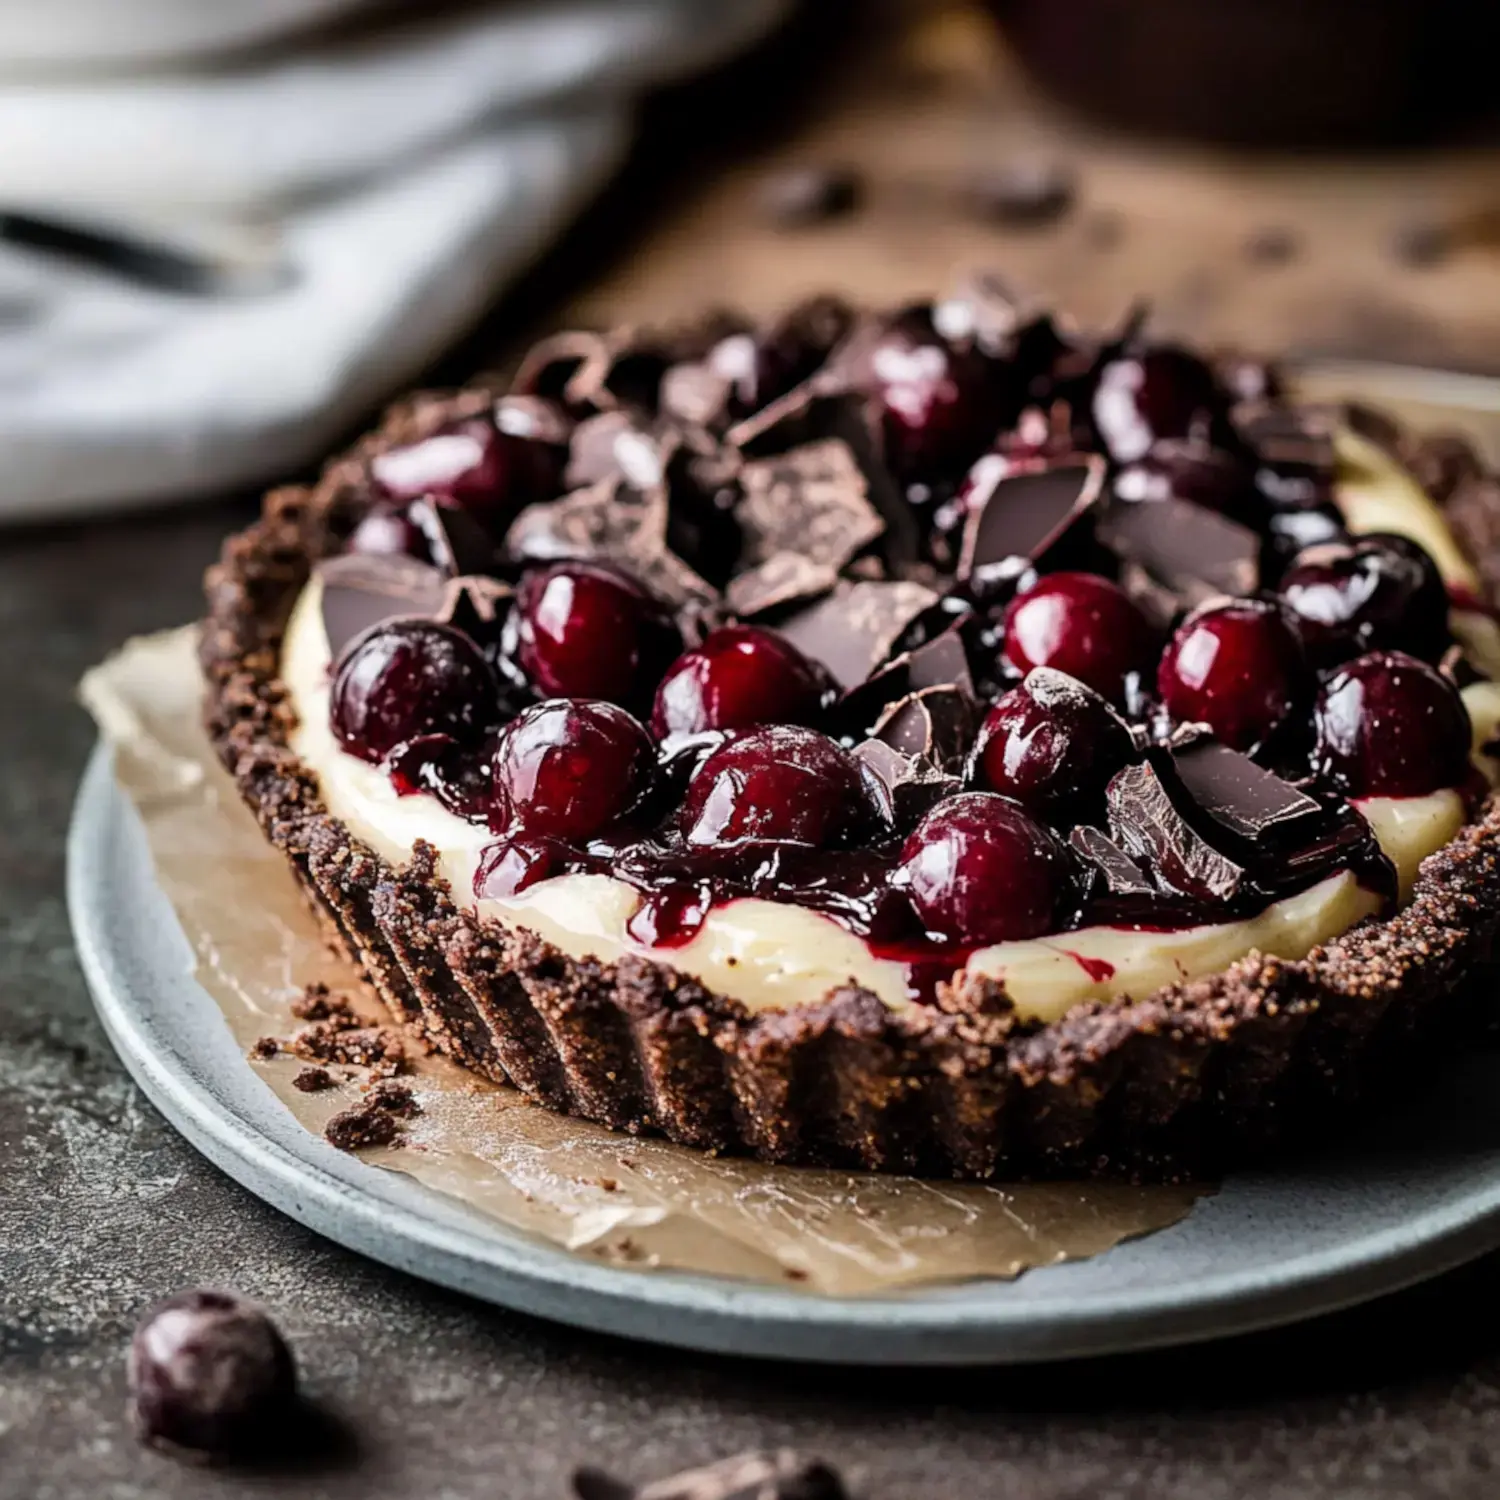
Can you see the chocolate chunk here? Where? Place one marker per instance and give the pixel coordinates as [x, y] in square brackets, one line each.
[361, 1127]
[1121, 875]
[811, 500]
[801, 196]
[1288, 437]
[1194, 552]
[782, 1475]
[909, 785]
[1144, 822]
[615, 443]
[782, 579]
[1254, 812]
[1026, 193]
[614, 521]
[935, 725]
[456, 542]
[1026, 513]
[856, 628]
[940, 662]
[362, 590]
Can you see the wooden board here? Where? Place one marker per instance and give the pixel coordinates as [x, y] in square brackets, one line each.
[926, 93]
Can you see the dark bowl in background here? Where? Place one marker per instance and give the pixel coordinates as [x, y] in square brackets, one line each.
[1284, 72]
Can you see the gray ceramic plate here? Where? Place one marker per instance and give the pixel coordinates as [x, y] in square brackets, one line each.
[1417, 1196]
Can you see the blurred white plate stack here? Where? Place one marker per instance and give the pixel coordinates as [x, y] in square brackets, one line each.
[393, 175]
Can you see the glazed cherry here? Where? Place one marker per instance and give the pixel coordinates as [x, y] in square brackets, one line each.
[1161, 391]
[939, 402]
[568, 768]
[516, 862]
[472, 464]
[1367, 594]
[403, 679]
[980, 869]
[1083, 625]
[1389, 725]
[1237, 667]
[781, 784]
[584, 630]
[1050, 744]
[387, 532]
[739, 677]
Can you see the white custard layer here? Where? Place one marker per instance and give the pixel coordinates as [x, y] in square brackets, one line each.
[770, 955]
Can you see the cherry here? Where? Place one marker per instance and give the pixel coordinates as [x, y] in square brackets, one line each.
[1083, 625]
[585, 630]
[1366, 594]
[1183, 469]
[569, 768]
[1237, 667]
[402, 679]
[1161, 391]
[517, 862]
[1051, 743]
[779, 783]
[938, 401]
[471, 464]
[387, 532]
[1389, 725]
[980, 869]
[739, 677]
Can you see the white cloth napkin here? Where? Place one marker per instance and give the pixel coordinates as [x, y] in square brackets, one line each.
[399, 177]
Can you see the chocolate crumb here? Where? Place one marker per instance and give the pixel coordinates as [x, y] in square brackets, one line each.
[313, 1080]
[782, 1475]
[609, 1185]
[264, 1047]
[803, 196]
[333, 1041]
[1023, 193]
[1273, 245]
[363, 1125]
[394, 1098]
[317, 1003]
[1421, 244]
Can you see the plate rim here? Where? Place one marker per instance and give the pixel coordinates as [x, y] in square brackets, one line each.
[365, 1208]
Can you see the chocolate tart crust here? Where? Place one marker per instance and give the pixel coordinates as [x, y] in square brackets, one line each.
[1185, 1081]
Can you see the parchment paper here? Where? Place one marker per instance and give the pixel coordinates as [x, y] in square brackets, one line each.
[630, 1201]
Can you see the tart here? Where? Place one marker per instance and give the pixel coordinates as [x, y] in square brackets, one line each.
[933, 740]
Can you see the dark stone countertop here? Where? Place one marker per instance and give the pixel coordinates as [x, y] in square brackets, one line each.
[103, 1208]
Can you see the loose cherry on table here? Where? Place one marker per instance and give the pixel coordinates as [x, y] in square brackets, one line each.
[739, 677]
[779, 783]
[1051, 744]
[569, 768]
[406, 678]
[1366, 594]
[1080, 624]
[1162, 391]
[980, 869]
[1389, 725]
[585, 630]
[1237, 667]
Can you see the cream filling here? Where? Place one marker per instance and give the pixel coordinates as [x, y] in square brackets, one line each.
[774, 956]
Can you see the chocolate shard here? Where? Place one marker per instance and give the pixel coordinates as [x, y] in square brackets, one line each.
[620, 369]
[940, 662]
[1253, 806]
[362, 590]
[1189, 551]
[1119, 873]
[908, 785]
[936, 725]
[1027, 513]
[782, 579]
[1146, 824]
[812, 500]
[611, 520]
[615, 442]
[779, 1475]
[551, 365]
[854, 629]
[457, 542]
[1294, 447]
[474, 605]
[697, 394]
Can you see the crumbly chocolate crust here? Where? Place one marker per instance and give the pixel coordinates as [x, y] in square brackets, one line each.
[1184, 1081]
